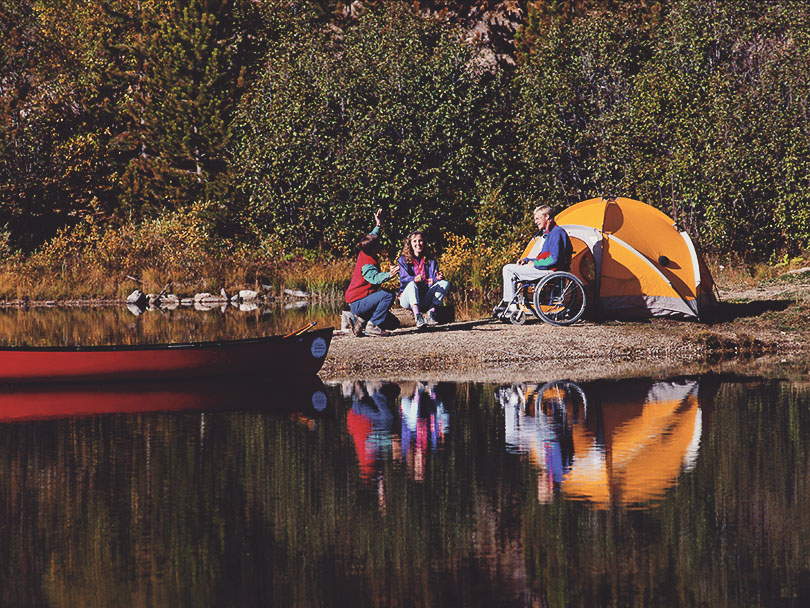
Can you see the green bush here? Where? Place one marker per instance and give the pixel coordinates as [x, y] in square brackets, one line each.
[390, 112]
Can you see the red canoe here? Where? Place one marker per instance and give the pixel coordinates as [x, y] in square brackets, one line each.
[273, 357]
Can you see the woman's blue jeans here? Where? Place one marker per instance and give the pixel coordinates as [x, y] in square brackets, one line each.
[425, 299]
[374, 307]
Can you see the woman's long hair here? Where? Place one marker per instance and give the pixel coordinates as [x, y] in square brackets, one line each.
[407, 250]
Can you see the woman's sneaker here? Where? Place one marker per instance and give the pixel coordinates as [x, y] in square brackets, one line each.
[420, 321]
[430, 319]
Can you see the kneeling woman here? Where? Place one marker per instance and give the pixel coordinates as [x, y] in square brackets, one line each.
[422, 286]
[365, 298]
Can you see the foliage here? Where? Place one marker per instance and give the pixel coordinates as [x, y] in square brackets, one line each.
[468, 265]
[698, 109]
[389, 113]
[283, 125]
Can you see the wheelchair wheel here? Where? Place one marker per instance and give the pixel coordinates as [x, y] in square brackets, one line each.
[522, 302]
[518, 317]
[559, 298]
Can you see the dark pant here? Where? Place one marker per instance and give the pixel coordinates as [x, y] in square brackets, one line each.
[374, 307]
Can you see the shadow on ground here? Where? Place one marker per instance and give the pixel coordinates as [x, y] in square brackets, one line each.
[730, 311]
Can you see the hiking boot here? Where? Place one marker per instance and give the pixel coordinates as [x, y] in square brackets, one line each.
[420, 320]
[358, 326]
[430, 319]
[376, 332]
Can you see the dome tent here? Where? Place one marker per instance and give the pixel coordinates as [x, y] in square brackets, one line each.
[635, 262]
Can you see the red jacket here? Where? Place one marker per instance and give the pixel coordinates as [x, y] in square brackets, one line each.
[359, 288]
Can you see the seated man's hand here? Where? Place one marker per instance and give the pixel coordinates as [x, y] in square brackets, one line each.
[523, 261]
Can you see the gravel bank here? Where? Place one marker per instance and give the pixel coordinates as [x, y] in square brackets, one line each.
[752, 333]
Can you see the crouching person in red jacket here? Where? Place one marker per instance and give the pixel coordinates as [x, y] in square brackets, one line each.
[367, 301]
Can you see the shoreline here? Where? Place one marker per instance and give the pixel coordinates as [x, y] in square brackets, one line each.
[763, 328]
[489, 351]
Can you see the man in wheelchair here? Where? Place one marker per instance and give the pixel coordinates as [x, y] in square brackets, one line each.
[554, 254]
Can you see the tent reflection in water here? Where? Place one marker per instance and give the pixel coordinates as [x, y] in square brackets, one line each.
[609, 443]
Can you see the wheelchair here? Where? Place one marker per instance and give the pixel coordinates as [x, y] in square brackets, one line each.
[557, 298]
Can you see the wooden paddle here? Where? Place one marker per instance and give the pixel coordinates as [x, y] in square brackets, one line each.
[301, 330]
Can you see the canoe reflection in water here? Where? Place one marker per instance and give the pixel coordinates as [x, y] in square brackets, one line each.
[406, 421]
[609, 443]
[39, 402]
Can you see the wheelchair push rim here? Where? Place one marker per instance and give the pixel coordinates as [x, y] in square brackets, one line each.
[560, 299]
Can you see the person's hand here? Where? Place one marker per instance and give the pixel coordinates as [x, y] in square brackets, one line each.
[394, 269]
[377, 216]
[523, 261]
[418, 278]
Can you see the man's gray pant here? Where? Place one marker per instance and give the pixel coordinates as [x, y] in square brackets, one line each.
[512, 273]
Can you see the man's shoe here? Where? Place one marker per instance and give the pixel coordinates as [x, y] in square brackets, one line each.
[420, 320]
[375, 332]
[430, 319]
[358, 326]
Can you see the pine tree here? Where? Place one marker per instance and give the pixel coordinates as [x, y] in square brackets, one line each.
[184, 91]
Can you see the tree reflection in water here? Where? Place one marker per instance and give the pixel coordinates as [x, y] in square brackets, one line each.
[681, 492]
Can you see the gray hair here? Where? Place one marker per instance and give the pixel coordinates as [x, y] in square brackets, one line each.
[545, 210]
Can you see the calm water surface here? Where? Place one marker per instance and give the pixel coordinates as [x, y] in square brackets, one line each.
[117, 324]
[664, 492]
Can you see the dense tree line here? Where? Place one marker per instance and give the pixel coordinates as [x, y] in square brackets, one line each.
[287, 122]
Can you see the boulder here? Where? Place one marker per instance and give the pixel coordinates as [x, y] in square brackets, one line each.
[138, 298]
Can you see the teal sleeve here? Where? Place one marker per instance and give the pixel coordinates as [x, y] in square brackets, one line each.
[375, 230]
[373, 275]
[541, 263]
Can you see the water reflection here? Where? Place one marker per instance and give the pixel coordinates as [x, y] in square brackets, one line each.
[679, 492]
[621, 443]
[403, 422]
[25, 403]
[105, 325]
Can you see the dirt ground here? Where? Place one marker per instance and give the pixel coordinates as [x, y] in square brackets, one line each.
[756, 328]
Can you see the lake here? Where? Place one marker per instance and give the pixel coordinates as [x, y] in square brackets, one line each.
[684, 491]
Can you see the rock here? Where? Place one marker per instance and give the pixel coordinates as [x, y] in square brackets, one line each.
[346, 317]
[170, 301]
[137, 298]
[297, 294]
[296, 305]
[443, 314]
[204, 305]
[246, 295]
[209, 299]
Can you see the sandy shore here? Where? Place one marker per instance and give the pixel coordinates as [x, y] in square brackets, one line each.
[759, 328]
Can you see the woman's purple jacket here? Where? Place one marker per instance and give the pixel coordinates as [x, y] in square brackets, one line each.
[406, 272]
